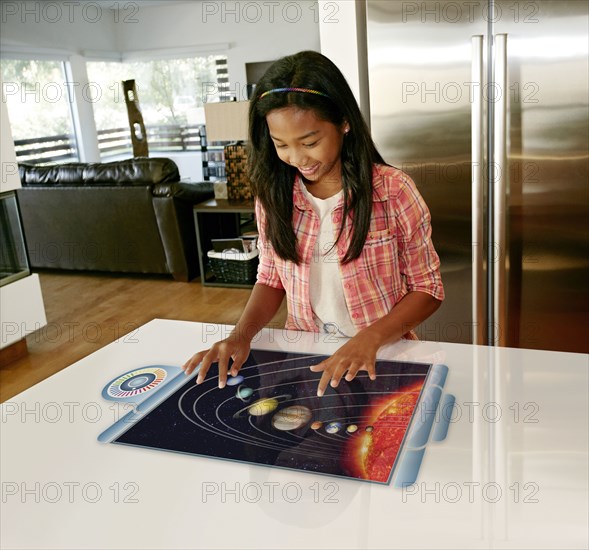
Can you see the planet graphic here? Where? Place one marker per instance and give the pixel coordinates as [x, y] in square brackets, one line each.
[352, 428]
[234, 380]
[333, 427]
[291, 418]
[389, 430]
[244, 393]
[316, 425]
[263, 406]
[259, 407]
[372, 454]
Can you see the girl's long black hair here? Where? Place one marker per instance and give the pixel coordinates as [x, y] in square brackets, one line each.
[272, 180]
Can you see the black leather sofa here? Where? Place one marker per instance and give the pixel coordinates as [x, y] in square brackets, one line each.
[132, 216]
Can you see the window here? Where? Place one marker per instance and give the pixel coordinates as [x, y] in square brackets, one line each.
[170, 93]
[39, 106]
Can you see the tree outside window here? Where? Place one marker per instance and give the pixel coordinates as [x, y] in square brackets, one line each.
[39, 106]
[170, 93]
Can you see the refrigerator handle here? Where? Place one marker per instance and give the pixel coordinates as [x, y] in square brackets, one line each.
[499, 184]
[479, 318]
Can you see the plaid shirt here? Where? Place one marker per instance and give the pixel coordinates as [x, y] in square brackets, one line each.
[398, 255]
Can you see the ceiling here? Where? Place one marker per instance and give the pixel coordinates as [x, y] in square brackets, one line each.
[108, 4]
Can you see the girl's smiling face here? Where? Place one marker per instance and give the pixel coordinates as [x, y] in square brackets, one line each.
[311, 145]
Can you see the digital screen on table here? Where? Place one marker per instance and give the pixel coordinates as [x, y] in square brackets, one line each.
[269, 414]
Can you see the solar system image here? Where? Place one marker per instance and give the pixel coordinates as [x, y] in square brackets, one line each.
[269, 414]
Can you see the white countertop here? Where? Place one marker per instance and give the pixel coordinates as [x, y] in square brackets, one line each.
[512, 473]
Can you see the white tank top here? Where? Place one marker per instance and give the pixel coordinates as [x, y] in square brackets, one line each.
[328, 302]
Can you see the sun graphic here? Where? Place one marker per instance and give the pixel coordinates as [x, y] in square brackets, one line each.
[372, 454]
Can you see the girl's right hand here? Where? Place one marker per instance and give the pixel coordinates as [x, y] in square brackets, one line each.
[233, 347]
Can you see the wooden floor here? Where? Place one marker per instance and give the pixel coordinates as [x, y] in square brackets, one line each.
[87, 311]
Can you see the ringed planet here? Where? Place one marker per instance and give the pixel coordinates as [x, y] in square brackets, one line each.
[262, 406]
[244, 393]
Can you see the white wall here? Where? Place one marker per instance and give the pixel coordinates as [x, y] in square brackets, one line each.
[347, 18]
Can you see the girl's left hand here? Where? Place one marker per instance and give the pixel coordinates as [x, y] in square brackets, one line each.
[357, 354]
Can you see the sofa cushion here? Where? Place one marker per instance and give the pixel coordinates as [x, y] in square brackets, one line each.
[138, 170]
[189, 192]
[135, 171]
[65, 174]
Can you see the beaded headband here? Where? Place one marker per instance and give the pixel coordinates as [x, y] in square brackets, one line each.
[304, 90]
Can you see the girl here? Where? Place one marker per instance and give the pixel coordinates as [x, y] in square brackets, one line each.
[345, 237]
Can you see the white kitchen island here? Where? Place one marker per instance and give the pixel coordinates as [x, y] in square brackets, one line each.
[512, 472]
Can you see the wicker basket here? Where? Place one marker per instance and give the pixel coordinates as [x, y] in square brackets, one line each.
[234, 267]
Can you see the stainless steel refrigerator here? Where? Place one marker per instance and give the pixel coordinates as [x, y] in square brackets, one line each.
[485, 105]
